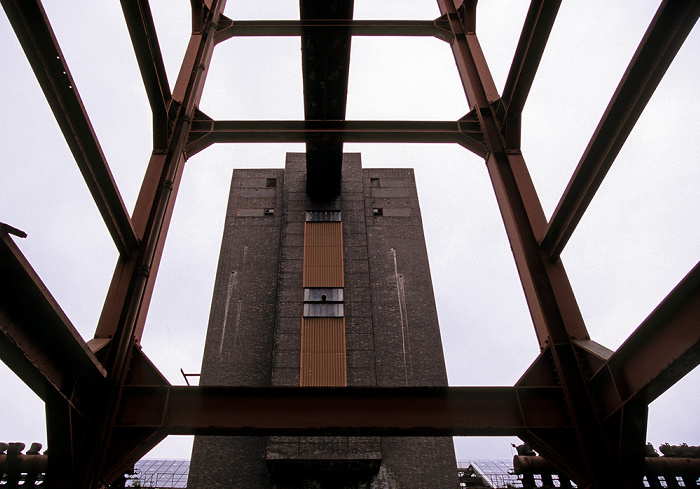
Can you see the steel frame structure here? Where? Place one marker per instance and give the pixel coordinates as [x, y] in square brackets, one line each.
[581, 406]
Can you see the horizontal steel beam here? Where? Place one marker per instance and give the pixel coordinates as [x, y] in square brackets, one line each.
[533, 39]
[207, 132]
[664, 348]
[37, 340]
[142, 30]
[668, 30]
[257, 28]
[34, 32]
[434, 411]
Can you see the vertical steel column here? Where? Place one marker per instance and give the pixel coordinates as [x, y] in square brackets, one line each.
[552, 305]
[124, 312]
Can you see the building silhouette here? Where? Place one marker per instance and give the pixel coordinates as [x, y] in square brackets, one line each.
[319, 293]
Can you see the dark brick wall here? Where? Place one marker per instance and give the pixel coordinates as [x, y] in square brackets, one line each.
[407, 345]
[392, 334]
[240, 337]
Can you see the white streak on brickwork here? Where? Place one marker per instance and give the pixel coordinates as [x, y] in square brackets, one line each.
[403, 315]
[236, 329]
[231, 285]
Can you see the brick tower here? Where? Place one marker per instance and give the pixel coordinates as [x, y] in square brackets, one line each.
[323, 293]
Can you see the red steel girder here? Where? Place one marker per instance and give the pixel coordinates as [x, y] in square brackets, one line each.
[128, 446]
[252, 28]
[405, 411]
[467, 132]
[139, 21]
[37, 340]
[63, 430]
[533, 39]
[127, 301]
[36, 36]
[155, 410]
[668, 30]
[552, 305]
[664, 348]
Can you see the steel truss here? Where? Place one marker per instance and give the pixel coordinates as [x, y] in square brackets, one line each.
[581, 406]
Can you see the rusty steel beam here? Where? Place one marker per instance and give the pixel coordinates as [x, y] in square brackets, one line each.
[37, 340]
[668, 30]
[533, 39]
[139, 21]
[132, 445]
[325, 66]
[552, 304]
[254, 28]
[653, 466]
[664, 348]
[207, 132]
[126, 306]
[404, 411]
[63, 429]
[36, 36]
[551, 301]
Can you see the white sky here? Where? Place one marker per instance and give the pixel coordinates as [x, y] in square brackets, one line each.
[639, 237]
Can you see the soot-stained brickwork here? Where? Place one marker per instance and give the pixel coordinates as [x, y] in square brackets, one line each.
[391, 329]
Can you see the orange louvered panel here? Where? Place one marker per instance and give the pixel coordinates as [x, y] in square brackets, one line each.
[323, 352]
[323, 254]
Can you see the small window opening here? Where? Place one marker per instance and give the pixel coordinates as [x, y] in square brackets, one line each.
[271, 182]
[377, 211]
[322, 216]
[269, 212]
[323, 295]
[374, 182]
[323, 302]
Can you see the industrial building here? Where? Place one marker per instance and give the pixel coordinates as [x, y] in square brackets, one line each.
[323, 293]
[582, 406]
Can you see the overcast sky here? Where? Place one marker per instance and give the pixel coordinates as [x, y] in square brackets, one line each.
[639, 237]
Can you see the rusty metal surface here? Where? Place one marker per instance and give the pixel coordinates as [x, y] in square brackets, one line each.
[16, 466]
[145, 41]
[429, 411]
[533, 39]
[466, 133]
[664, 348]
[323, 358]
[325, 65]
[36, 36]
[323, 254]
[127, 302]
[246, 28]
[549, 295]
[668, 30]
[37, 340]
[654, 466]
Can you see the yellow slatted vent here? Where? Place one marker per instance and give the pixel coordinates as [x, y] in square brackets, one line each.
[323, 352]
[323, 361]
[323, 254]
